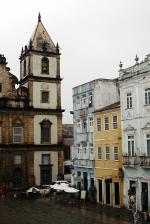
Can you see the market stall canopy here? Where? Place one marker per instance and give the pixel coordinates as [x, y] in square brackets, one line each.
[71, 190]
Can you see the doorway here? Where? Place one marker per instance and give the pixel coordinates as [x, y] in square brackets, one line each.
[107, 190]
[144, 196]
[117, 193]
[18, 178]
[46, 174]
[100, 191]
[85, 181]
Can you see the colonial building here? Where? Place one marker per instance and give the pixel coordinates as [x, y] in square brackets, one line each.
[68, 142]
[135, 109]
[108, 155]
[31, 116]
[87, 98]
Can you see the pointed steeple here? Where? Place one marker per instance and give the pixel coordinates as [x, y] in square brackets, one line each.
[41, 40]
[39, 17]
[57, 48]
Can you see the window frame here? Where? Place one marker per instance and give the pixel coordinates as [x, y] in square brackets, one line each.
[42, 92]
[131, 145]
[90, 99]
[99, 152]
[129, 99]
[47, 125]
[114, 153]
[17, 135]
[107, 153]
[17, 159]
[106, 123]
[48, 158]
[46, 61]
[91, 122]
[115, 122]
[147, 96]
[147, 139]
[98, 124]
[84, 99]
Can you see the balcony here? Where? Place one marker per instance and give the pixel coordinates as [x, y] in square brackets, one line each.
[84, 163]
[144, 161]
[130, 161]
[83, 137]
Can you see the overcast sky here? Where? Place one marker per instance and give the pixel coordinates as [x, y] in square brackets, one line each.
[94, 35]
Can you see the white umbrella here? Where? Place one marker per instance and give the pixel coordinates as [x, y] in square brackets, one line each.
[59, 187]
[71, 190]
[33, 190]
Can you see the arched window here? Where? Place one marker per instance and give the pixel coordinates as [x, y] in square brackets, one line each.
[45, 131]
[24, 67]
[45, 65]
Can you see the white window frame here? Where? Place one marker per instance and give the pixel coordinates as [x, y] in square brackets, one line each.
[18, 135]
[131, 145]
[17, 160]
[147, 139]
[115, 123]
[98, 124]
[107, 153]
[116, 153]
[91, 121]
[147, 96]
[78, 100]
[99, 152]
[84, 99]
[45, 159]
[129, 100]
[91, 148]
[90, 102]
[106, 124]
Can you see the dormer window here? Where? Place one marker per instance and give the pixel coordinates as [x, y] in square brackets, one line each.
[45, 65]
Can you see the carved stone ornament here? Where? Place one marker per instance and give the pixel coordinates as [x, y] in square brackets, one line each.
[129, 128]
[147, 126]
[44, 86]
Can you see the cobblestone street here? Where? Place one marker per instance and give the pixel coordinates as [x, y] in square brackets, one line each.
[44, 211]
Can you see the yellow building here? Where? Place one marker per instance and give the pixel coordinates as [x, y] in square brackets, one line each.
[108, 155]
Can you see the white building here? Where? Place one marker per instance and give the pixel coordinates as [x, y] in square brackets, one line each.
[135, 109]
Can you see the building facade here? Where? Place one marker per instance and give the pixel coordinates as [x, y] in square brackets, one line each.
[108, 155]
[87, 98]
[31, 116]
[68, 142]
[135, 110]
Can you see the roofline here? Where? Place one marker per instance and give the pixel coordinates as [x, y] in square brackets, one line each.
[109, 107]
[95, 80]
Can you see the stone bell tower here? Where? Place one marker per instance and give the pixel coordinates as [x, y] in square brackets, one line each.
[40, 74]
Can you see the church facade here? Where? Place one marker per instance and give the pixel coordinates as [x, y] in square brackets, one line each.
[31, 115]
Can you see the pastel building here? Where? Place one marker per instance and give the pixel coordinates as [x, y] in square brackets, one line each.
[86, 98]
[108, 155]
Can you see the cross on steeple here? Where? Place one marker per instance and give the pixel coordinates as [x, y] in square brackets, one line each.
[39, 17]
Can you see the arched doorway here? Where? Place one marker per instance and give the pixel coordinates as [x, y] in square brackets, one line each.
[18, 178]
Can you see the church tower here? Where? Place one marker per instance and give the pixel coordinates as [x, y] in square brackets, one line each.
[40, 74]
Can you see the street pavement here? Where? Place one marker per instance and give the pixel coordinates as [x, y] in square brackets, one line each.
[47, 211]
